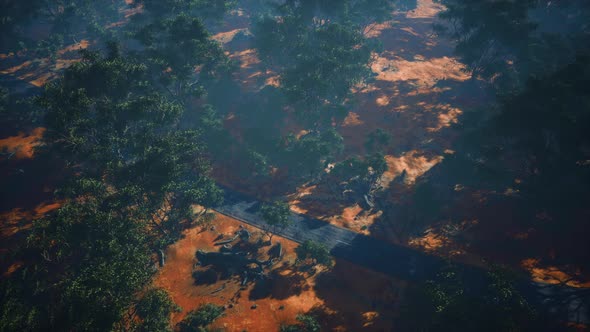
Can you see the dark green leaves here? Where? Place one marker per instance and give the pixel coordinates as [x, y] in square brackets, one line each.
[319, 60]
[198, 320]
[98, 256]
[154, 310]
[315, 252]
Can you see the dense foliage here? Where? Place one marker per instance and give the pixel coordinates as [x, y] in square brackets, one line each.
[277, 216]
[140, 118]
[314, 252]
[199, 319]
[305, 323]
[115, 119]
[93, 256]
[452, 303]
[319, 59]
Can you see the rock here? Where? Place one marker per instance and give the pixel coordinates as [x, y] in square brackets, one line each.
[254, 306]
[162, 257]
[369, 201]
[244, 234]
[276, 251]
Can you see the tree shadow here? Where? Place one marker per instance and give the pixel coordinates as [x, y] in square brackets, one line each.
[208, 276]
[356, 298]
[279, 284]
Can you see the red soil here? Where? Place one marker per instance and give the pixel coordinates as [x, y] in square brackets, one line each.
[347, 297]
[22, 145]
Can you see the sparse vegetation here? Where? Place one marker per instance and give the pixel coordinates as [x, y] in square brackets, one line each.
[314, 253]
[277, 216]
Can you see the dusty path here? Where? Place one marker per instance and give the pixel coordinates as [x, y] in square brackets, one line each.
[401, 262]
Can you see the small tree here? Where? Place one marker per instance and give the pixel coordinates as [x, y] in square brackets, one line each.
[314, 252]
[306, 323]
[378, 166]
[306, 156]
[277, 217]
[154, 310]
[197, 320]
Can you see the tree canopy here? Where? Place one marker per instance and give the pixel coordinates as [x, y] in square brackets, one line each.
[305, 323]
[315, 252]
[448, 304]
[318, 59]
[154, 310]
[198, 320]
[277, 216]
[94, 255]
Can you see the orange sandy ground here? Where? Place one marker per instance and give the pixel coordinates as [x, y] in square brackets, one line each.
[21, 146]
[39, 72]
[345, 298]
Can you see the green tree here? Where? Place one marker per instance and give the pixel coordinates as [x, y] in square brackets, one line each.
[308, 155]
[319, 61]
[358, 12]
[109, 124]
[504, 42]
[204, 9]
[135, 171]
[154, 310]
[175, 47]
[306, 323]
[91, 259]
[316, 253]
[198, 320]
[277, 216]
[361, 174]
[66, 21]
[489, 35]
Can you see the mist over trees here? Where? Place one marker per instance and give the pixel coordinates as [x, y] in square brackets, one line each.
[139, 121]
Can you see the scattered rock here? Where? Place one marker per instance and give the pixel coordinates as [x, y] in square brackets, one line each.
[162, 257]
[254, 306]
